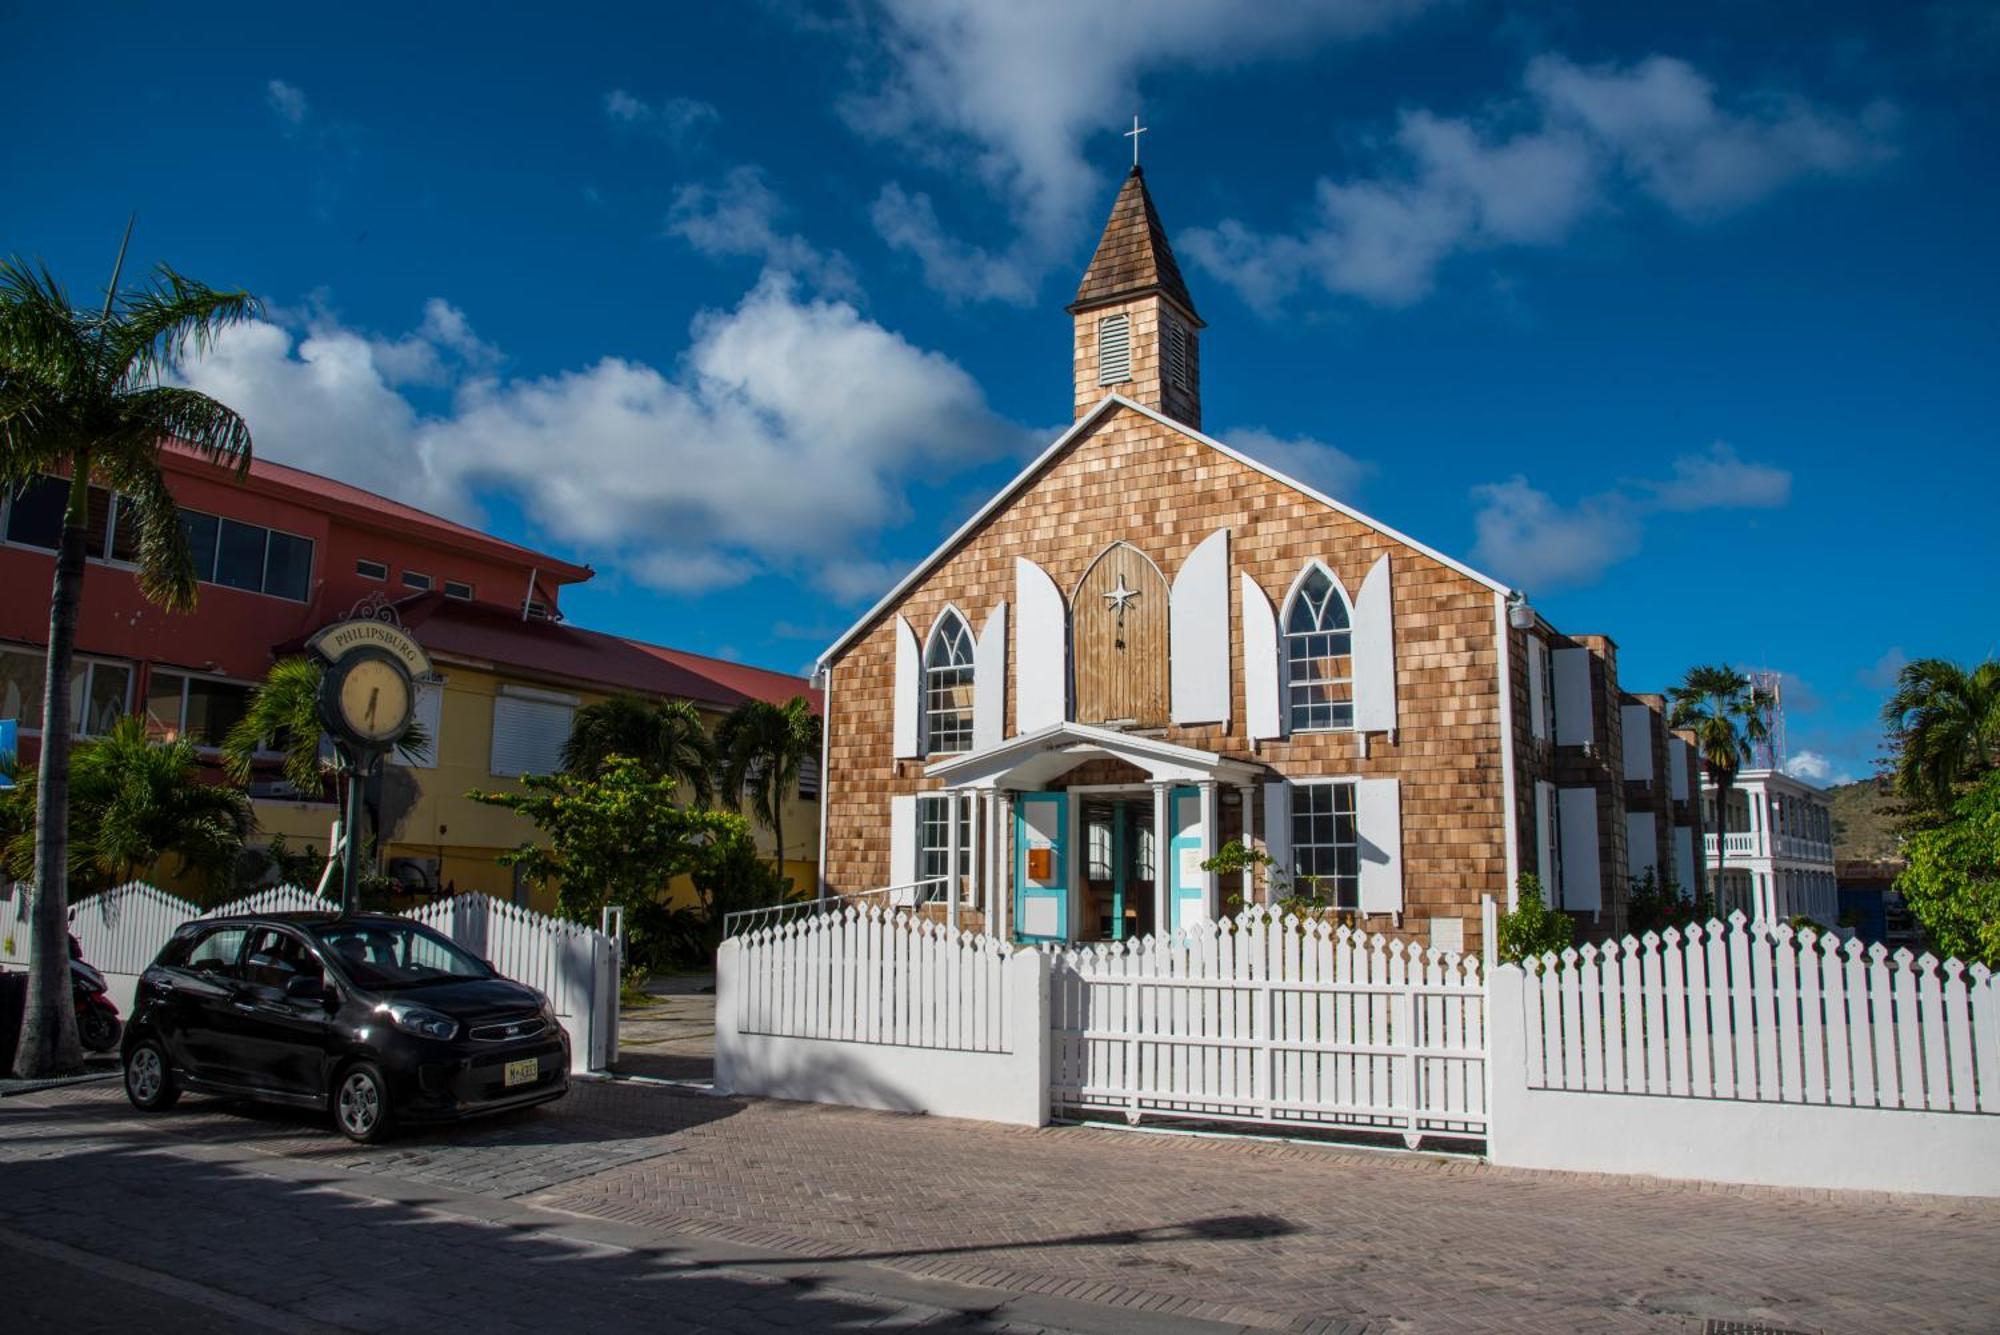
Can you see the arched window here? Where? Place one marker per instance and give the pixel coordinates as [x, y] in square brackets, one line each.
[948, 687]
[1319, 656]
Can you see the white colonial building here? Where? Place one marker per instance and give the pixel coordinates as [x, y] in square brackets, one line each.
[1777, 848]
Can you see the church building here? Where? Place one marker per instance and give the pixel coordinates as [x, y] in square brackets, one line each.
[1149, 645]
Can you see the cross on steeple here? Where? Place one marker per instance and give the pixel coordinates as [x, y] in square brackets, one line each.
[1133, 134]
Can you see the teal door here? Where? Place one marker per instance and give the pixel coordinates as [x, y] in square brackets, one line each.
[1041, 867]
[1186, 901]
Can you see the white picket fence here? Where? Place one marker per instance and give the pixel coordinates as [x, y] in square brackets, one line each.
[577, 968]
[1751, 1011]
[1271, 1019]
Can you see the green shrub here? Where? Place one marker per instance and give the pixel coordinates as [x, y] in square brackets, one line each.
[1533, 928]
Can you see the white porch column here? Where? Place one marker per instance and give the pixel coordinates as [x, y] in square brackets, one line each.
[1211, 824]
[954, 807]
[1247, 795]
[989, 870]
[1003, 884]
[1163, 848]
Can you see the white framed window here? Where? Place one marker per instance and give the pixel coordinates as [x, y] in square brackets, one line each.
[1326, 843]
[100, 691]
[417, 580]
[33, 517]
[934, 842]
[1114, 349]
[251, 557]
[1319, 655]
[371, 569]
[201, 709]
[948, 686]
[429, 714]
[458, 589]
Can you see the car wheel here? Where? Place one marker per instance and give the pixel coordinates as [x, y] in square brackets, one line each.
[361, 1103]
[149, 1083]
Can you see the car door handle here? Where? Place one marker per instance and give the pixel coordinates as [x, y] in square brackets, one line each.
[243, 1005]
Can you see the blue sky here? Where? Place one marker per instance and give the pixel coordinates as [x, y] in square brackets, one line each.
[1683, 323]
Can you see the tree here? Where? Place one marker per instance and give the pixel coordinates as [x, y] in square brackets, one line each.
[82, 396]
[137, 802]
[763, 747]
[283, 714]
[668, 737]
[615, 837]
[1726, 714]
[1944, 725]
[1952, 884]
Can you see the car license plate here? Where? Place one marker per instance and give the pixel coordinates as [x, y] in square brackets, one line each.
[522, 1072]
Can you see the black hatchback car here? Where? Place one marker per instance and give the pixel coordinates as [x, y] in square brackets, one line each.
[377, 1020]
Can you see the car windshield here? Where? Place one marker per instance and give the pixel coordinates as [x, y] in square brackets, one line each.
[388, 956]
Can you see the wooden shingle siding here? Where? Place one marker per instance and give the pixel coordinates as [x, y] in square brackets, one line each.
[1132, 478]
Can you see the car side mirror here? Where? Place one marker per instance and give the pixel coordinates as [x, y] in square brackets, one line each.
[307, 988]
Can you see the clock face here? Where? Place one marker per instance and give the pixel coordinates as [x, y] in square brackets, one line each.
[374, 700]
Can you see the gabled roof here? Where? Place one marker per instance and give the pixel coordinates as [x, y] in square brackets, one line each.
[1045, 753]
[1133, 256]
[1111, 403]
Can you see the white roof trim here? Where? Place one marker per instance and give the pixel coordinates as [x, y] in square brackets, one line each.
[1104, 739]
[1109, 402]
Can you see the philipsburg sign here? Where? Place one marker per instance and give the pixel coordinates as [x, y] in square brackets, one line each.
[342, 638]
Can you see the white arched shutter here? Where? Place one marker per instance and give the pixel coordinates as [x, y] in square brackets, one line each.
[1041, 642]
[902, 843]
[909, 693]
[1260, 663]
[1378, 810]
[1375, 653]
[1278, 827]
[989, 682]
[1198, 639]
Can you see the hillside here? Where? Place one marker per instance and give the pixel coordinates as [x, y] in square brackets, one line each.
[1862, 826]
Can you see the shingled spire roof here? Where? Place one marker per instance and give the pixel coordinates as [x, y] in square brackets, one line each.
[1133, 257]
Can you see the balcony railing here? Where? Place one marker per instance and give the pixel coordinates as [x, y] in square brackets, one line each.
[1751, 844]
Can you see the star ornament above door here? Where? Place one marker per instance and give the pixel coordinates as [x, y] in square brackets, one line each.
[1117, 600]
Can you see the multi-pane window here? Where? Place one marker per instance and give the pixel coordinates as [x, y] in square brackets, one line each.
[934, 844]
[248, 556]
[948, 687]
[34, 518]
[1326, 844]
[1319, 656]
[198, 708]
[99, 692]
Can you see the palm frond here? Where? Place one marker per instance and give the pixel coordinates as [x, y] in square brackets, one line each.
[166, 564]
[42, 337]
[151, 416]
[282, 709]
[154, 326]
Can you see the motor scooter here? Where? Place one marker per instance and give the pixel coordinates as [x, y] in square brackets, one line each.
[97, 1024]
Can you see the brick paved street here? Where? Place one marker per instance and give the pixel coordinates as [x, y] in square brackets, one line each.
[642, 1192]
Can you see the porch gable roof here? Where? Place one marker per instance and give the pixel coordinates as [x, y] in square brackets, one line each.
[1034, 758]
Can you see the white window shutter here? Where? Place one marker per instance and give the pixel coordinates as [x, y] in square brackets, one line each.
[1260, 662]
[1114, 349]
[1684, 858]
[1041, 642]
[1538, 688]
[1573, 717]
[1582, 879]
[1545, 850]
[1677, 769]
[1375, 652]
[429, 715]
[1198, 634]
[989, 681]
[1637, 722]
[1378, 810]
[909, 693]
[528, 734]
[902, 839]
[1278, 826]
[1642, 844]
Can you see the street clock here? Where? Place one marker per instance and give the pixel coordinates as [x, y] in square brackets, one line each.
[367, 699]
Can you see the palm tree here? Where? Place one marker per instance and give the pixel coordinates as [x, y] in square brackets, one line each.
[1727, 715]
[763, 746]
[668, 737]
[136, 802]
[1946, 725]
[81, 394]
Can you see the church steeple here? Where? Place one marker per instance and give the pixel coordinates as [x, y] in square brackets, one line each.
[1136, 327]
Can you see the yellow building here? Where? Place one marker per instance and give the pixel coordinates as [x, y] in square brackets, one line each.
[509, 689]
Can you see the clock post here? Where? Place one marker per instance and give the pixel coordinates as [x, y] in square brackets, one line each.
[367, 702]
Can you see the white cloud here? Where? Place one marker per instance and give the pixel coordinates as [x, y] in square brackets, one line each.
[442, 347]
[1313, 462]
[679, 120]
[740, 216]
[1007, 93]
[288, 101]
[1816, 767]
[859, 580]
[1524, 535]
[1887, 669]
[785, 442]
[1459, 185]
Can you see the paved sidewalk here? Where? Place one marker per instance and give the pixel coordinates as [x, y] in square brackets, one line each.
[672, 1036]
[1107, 1225]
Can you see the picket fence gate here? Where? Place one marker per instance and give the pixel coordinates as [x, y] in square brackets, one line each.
[1755, 1012]
[121, 930]
[1271, 1019]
